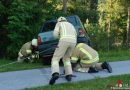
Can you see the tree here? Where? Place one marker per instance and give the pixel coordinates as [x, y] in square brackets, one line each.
[110, 18]
[128, 27]
[93, 4]
[4, 40]
[23, 23]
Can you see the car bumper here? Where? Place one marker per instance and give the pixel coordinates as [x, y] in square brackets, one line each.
[48, 49]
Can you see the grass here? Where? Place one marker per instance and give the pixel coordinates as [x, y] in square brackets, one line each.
[104, 56]
[18, 66]
[95, 84]
[119, 55]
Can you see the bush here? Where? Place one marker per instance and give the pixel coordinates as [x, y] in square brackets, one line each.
[101, 41]
[98, 37]
[22, 22]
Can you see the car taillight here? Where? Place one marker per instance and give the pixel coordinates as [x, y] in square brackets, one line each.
[81, 32]
[39, 40]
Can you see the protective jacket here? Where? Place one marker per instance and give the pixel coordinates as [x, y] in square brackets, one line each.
[26, 49]
[65, 31]
[85, 54]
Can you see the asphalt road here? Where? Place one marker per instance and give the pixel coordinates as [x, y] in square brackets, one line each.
[19, 80]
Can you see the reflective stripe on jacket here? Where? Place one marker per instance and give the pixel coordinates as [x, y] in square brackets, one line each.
[65, 31]
[85, 53]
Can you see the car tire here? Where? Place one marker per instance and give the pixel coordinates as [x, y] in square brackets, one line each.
[46, 60]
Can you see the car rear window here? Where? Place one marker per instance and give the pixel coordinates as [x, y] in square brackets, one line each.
[48, 26]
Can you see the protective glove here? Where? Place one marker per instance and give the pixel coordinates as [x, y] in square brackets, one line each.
[35, 55]
[28, 51]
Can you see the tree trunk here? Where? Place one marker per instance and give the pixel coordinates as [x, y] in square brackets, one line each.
[65, 6]
[128, 27]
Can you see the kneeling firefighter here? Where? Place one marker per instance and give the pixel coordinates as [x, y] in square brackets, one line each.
[85, 59]
[28, 51]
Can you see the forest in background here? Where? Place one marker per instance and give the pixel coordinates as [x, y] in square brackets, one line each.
[105, 21]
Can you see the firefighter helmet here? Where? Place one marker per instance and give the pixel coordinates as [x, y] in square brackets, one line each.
[61, 19]
[34, 42]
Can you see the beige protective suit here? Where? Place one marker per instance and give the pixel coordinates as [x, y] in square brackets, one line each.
[25, 51]
[85, 57]
[67, 36]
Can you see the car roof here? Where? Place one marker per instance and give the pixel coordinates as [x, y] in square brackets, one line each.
[73, 19]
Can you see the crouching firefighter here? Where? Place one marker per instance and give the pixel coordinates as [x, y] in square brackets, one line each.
[28, 51]
[85, 59]
[67, 35]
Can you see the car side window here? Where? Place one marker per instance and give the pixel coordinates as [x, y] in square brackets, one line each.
[72, 20]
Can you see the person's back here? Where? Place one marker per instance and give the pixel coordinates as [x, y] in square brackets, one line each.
[86, 52]
[66, 32]
[26, 48]
[69, 32]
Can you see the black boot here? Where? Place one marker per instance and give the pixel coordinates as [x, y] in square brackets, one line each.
[92, 70]
[55, 76]
[68, 77]
[106, 65]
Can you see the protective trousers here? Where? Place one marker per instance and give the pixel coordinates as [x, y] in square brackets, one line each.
[85, 67]
[64, 51]
[20, 57]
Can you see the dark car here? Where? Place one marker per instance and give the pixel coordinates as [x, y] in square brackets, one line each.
[46, 41]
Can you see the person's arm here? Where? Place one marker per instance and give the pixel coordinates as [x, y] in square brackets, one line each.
[56, 32]
[28, 48]
[75, 56]
[74, 59]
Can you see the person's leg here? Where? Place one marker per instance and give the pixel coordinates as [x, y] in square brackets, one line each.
[89, 65]
[58, 54]
[104, 65]
[68, 69]
[20, 57]
[90, 68]
[98, 66]
[66, 61]
[55, 64]
[81, 68]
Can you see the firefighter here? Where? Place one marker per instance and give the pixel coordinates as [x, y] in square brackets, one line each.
[27, 51]
[85, 59]
[67, 36]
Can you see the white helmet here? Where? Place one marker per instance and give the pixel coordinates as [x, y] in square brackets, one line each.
[61, 19]
[34, 42]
